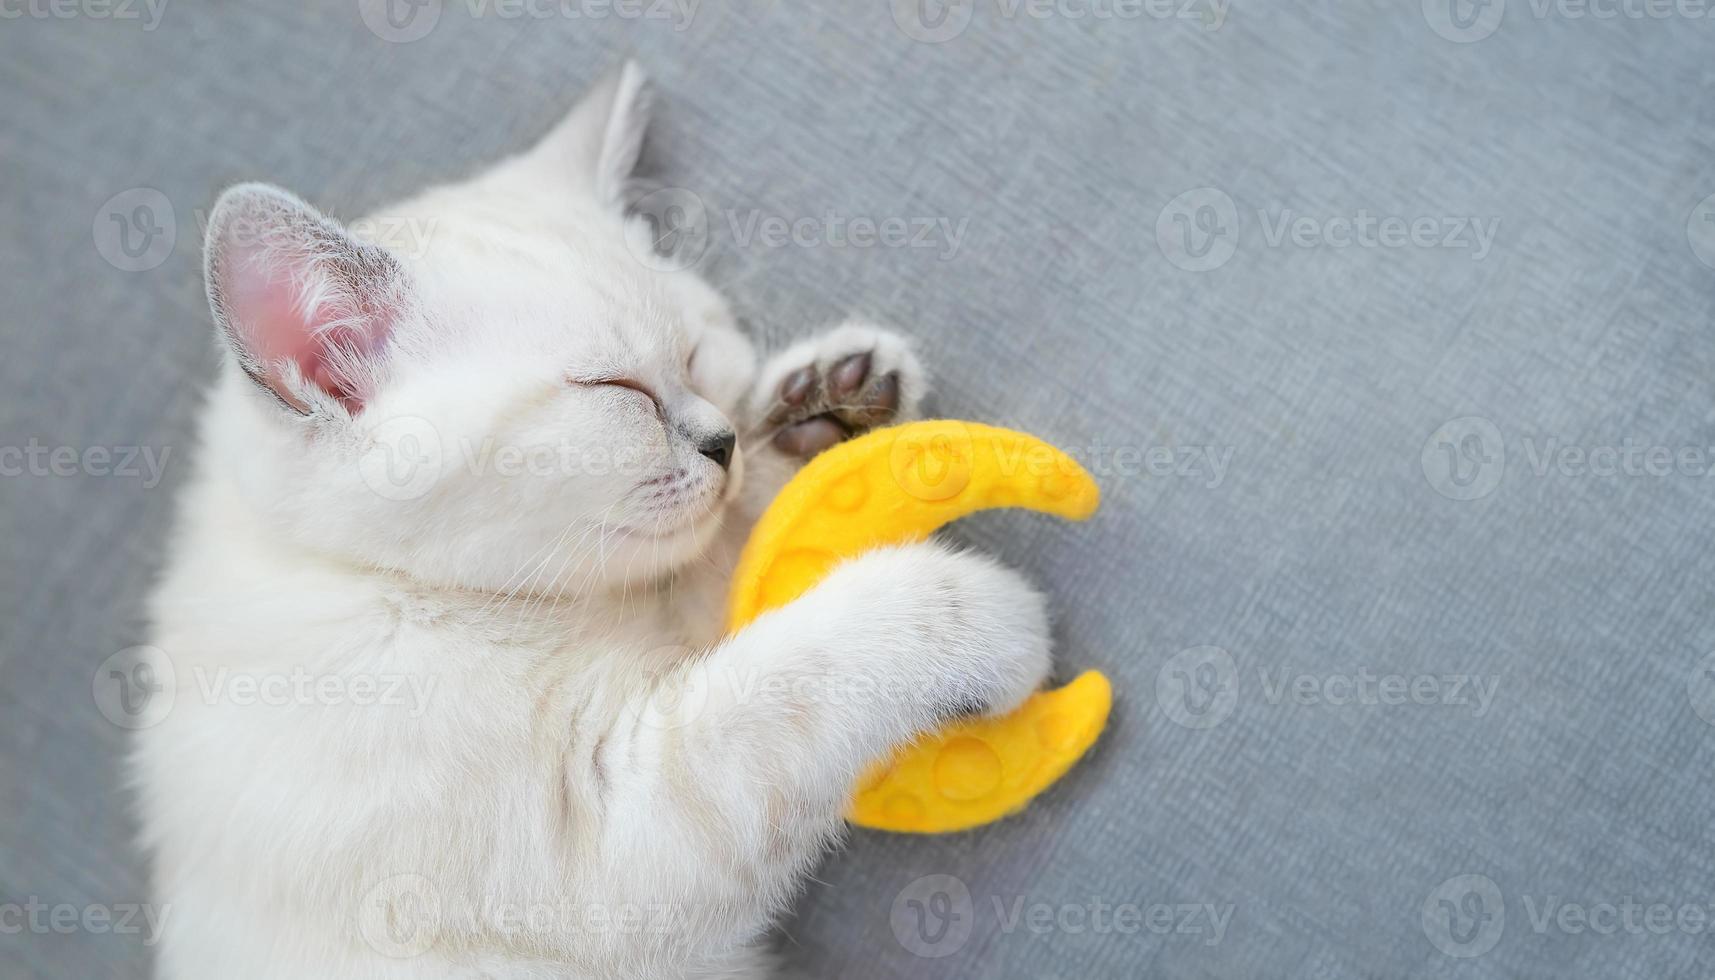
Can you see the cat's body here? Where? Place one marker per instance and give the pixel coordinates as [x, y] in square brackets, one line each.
[506, 737]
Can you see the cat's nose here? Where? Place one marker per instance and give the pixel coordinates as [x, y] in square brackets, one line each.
[718, 447]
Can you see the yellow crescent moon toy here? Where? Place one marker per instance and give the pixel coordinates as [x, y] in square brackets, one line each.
[898, 485]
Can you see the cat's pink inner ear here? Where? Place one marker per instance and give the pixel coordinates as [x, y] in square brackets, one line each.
[278, 327]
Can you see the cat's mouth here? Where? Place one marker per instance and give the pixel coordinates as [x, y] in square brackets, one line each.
[676, 504]
[681, 521]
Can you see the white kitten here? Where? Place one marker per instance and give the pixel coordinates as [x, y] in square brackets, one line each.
[444, 713]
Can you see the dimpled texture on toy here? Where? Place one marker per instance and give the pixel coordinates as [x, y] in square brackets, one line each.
[897, 485]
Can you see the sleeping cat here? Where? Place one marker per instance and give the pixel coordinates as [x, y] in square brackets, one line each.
[507, 473]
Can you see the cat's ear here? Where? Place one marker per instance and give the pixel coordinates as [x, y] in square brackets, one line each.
[305, 308]
[598, 142]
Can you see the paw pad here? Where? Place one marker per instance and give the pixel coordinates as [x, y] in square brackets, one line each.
[818, 407]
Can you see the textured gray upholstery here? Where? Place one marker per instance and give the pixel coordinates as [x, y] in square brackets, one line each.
[1090, 299]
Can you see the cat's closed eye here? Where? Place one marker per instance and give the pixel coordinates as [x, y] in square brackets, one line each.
[623, 383]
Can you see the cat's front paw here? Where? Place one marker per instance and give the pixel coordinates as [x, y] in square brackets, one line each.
[843, 383]
[977, 630]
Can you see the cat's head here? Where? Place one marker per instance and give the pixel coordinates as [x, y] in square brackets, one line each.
[507, 404]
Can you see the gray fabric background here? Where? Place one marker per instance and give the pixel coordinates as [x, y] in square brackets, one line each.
[1327, 549]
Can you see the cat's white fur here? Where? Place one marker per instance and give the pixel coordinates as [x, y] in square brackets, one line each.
[589, 781]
